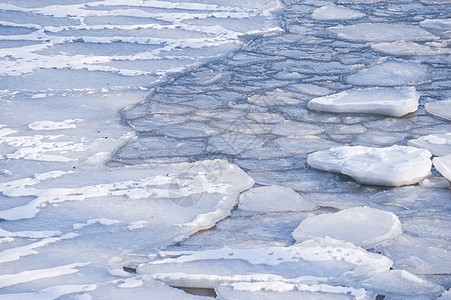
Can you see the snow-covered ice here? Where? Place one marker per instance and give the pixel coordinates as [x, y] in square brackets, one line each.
[390, 166]
[381, 227]
[387, 101]
[390, 73]
[334, 12]
[381, 32]
[438, 144]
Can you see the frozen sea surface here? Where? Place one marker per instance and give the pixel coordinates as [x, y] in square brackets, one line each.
[160, 149]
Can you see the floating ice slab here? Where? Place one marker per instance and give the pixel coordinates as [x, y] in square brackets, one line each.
[403, 285]
[390, 74]
[279, 290]
[273, 198]
[401, 48]
[386, 101]
[319, 260]
[390, 166]
[438, 144]
[441, 109]
[443, 165]
[334, 12]
[363, 226]
[381, 32]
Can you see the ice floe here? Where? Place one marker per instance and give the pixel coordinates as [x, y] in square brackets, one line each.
[443, 165]
[438, 144]
[273, 198]
[419, 255]
[334, 12]
[400, 48]
[321, 260]
[387, 101]
[288, 291]
[390, 166]
[363, 226]
[441, 109]
[390, 73]
[381, 32]
[402, 284]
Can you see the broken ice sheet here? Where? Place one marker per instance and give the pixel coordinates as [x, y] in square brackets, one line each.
[441, 109]
[390, 166]
[443, 165]
[363, 226]
[383, 32]
[334, 12]
[322, 260]
[275, 290]
[387, 101]
[438, 144]
[391, 73]
[419, 255]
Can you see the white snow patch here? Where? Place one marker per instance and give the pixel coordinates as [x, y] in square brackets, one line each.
[363, 226]
[27, 276]
[389, 166]
[441, 109]
[273, 198]
[334, 12]
[387, 101]
[137, 225]
[51, 293]
[51, 125]
[101, 221]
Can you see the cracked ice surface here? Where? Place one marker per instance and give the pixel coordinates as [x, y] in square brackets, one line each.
[197, 81]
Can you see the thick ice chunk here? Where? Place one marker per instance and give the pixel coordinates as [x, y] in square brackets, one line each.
[390, 74]
[438, 144]
[390, 166]
[441, 109]
[403, 285]
[280, 290]
[443, 165]
[273, 198]
[386, 101]
[381, 32]
[363, 226]
[334, 12]
[318, 259]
